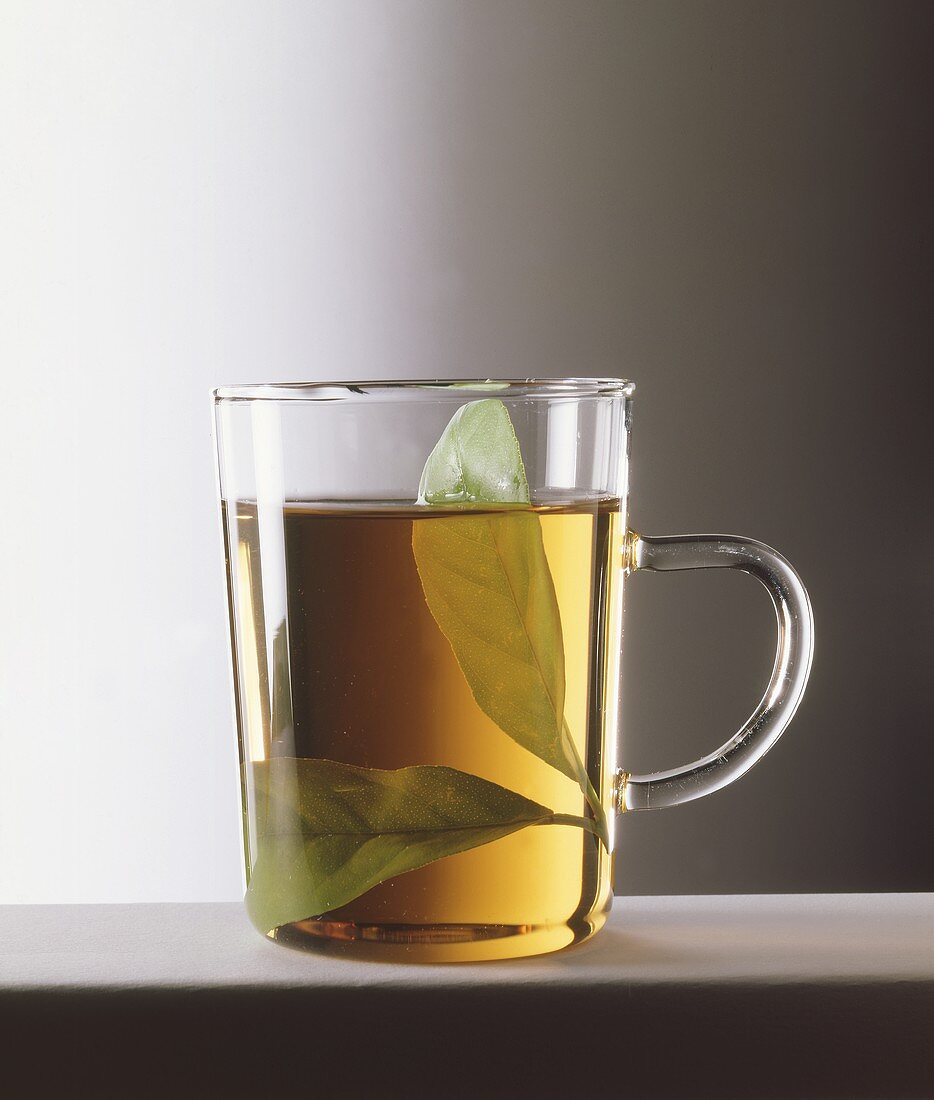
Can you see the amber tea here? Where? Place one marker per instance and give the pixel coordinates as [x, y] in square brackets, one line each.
[391, 677]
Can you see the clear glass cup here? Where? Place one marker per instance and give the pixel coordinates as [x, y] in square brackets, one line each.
[426, 593]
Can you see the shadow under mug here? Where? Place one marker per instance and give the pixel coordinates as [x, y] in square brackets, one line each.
[425, 585]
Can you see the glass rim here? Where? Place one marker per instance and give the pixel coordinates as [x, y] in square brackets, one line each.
[427, 388]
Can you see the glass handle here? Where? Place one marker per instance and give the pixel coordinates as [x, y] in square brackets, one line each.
[789, 676]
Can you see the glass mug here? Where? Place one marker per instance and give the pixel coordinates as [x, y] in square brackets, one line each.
[425, 585]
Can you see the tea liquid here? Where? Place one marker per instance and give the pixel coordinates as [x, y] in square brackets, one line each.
[338, 657]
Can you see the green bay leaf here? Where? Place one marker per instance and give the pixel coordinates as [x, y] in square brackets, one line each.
[477, 458]
[327, 832]
[487, 581]
[489, 587]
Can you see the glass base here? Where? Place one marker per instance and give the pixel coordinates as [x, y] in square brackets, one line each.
[435, 943]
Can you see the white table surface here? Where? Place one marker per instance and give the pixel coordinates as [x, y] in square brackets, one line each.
[797, 995]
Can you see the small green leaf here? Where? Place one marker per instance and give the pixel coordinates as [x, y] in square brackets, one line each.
[477, 458]
[328, 832]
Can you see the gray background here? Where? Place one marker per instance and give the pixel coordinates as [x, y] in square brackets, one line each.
[727, 202]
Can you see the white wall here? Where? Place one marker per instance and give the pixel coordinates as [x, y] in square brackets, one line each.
[209, 192]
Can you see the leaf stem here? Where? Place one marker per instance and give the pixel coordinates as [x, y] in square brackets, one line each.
[602, 826]
[584, 823]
